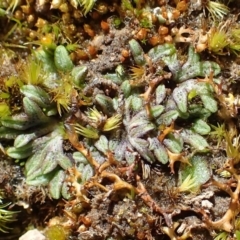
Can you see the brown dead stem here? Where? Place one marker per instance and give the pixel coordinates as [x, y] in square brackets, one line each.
[174, 157]
[210, 80]
[119, 184]
[73, 138]
[226, 223]
[94, 180]
[110, 162]
[152, 85]
[171, 232]
[75, 187]
[145, 196]
[93, 183]
[166, 131]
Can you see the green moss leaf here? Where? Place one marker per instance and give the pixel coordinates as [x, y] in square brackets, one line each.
[21, 152]
[168, 117]
[47, 59]
[18, 122]
[49, 163]
[62, 60]
[209, 103]
[63, 161]
[159, 150]
[137, 52]
[199, 170]
[194, 139]
[201, 127]
[194, 67]
[37, 94]
[207, 67]
[39, 180]
[34, 112]
[180, 96]
[157, 53]
[48, 154]
[142, 146]
[87, 173]
[161, 93]
[102, 144]
[79, 158]
[136, 103]
[79, 74]
[106, 103]
[197, 110]
[55, 184]
[9, 133]
[32, 134]
[126, 88]
[156, 111]
[174, 142]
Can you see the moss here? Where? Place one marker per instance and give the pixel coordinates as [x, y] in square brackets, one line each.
[56, 232]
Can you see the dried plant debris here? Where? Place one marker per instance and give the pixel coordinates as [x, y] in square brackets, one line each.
[119, 119]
